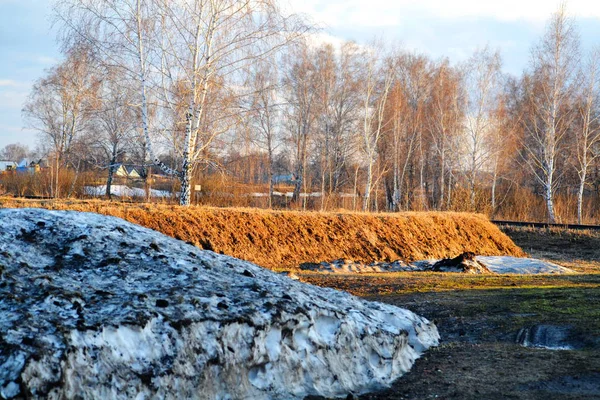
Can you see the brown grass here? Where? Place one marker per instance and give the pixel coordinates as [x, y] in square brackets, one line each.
[285, 239]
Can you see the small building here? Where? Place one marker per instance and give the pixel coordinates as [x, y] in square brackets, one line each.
[31, 167]
[26, 167]
[288, 178]
[7, 165]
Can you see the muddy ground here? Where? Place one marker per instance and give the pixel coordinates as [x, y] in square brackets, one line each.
[479, 319]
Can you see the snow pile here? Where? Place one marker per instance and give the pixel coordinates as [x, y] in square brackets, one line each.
[125, 191]
[95, 307]
[349, 267]
[465, 263]
[515, 265]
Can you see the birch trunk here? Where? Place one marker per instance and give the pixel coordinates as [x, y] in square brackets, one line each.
[368, 184]
[580, 197]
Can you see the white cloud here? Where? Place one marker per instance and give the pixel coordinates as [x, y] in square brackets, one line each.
[321, 38]
[507, 10]
[9, 83]
[381, 13]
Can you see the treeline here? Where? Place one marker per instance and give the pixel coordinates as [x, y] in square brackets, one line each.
[240, 93]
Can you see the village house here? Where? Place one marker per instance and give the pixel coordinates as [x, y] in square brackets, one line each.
[31, 167]
[6, 166]
[127, 171]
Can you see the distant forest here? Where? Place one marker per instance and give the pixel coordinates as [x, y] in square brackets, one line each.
[242, 100]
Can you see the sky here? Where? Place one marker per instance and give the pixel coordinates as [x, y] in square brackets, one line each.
[438, 28]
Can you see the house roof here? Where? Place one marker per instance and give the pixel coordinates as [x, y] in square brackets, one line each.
[127, 170]
[131, 169]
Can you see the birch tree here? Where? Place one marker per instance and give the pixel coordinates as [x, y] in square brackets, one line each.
[337, 107]
[378, 79]
[587, 132]
[202, 44]
[123, 34]
[482, 79]
[502, 141]
[301, 93]
[405, 110]
[444, 117]
[549, 93]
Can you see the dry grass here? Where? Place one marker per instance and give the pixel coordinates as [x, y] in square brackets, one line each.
[285, 239]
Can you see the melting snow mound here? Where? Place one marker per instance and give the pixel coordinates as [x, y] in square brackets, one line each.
[515, 265]
[124, 191]
[95, 307]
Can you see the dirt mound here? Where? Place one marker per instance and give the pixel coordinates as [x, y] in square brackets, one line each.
[466, 262]
[286, 239]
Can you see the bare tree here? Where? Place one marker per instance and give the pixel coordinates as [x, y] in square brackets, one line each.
[208, 45]
[115, 120]
[378, 79]
[123, 34]
[14, 152]
[587, 132]
[502, 141]
[444, 120]
[338, 108]
[548, 93]
[301, 93]
[59, 107]
[202, 45]
[264, 113]
[482, 78]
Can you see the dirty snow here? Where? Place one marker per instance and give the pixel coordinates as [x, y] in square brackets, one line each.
[125, 191]
[515, 265]
[95, 307]
[495, 264]
[348, 267]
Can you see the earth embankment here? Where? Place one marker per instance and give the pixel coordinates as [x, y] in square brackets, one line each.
[285, 239]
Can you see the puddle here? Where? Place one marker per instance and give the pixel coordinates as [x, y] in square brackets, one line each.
[549, 337]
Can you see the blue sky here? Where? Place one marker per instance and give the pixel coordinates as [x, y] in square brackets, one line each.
[27, 47]
[434, 27]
